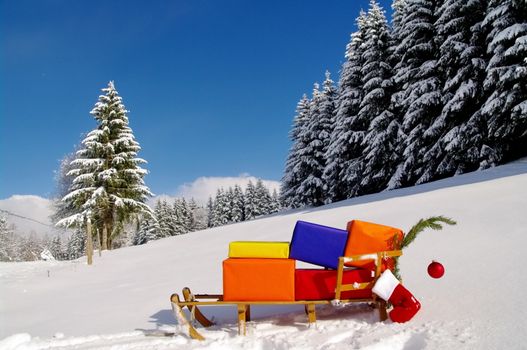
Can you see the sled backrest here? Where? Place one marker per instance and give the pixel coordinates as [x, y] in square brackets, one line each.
[377, 258]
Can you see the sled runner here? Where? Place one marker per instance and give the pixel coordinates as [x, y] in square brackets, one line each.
[345, 283]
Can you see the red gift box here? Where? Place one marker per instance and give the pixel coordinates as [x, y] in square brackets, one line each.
[317, 284]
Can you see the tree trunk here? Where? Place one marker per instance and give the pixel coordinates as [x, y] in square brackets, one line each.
[99, 240]
[89, 243]
[104, 244]
[109, 230]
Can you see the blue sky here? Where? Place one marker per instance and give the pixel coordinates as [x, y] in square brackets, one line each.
[211, 85]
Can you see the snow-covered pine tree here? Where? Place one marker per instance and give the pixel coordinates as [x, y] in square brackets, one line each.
[226, 206]
[316, 135]
[210, 212]
[198, 216]
[383, 134]
[140, 234]
[221, 209]
[18, 247]
[327, 123]
[180, 216]
[262, 199]
[152, 228]
[229, 194]
[177, 217]
[56, 248]
[146, 232]
[7, 241]
[456, 134]
[342, 169]
[276, 205]
[64, 181]
[192, 208]
[237, 204]
[398, 7]
[29, 247]
[126, 238]
[398, 32]
[76, 244]
[293, 170]
[164, 215]
[108, 185]
[505, 109]
[187, 215]
[418, 96]
[249, 202]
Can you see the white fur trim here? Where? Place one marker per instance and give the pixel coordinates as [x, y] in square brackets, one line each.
[385, 285]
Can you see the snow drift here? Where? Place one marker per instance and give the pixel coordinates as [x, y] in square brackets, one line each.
[124, 296]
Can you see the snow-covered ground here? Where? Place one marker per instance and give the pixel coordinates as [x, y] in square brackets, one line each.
[115, 303]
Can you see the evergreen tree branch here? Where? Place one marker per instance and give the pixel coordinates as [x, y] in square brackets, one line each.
[433, 223]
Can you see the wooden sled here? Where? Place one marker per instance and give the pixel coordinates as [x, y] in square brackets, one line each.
[194, 301]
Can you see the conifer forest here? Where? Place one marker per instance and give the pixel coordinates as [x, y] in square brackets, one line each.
[439, 90]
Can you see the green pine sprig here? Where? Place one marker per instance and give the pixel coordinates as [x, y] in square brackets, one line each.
[433, 223]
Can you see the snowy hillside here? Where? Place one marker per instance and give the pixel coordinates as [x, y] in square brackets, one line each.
[476, 305]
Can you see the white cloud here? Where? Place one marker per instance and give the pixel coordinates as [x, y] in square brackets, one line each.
[40, 209]
[33, 207]
[204, 187]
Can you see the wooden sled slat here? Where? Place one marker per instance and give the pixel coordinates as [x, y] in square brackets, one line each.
[194, 310]
[348, 287]
[182, 319]
[296, 302]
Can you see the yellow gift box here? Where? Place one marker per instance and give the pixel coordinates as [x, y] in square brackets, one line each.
[247, 249]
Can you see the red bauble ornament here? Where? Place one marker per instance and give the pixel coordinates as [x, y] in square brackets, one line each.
[436, 270]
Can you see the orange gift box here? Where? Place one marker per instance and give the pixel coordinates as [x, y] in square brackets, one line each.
[258, 279]
[367, 237]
